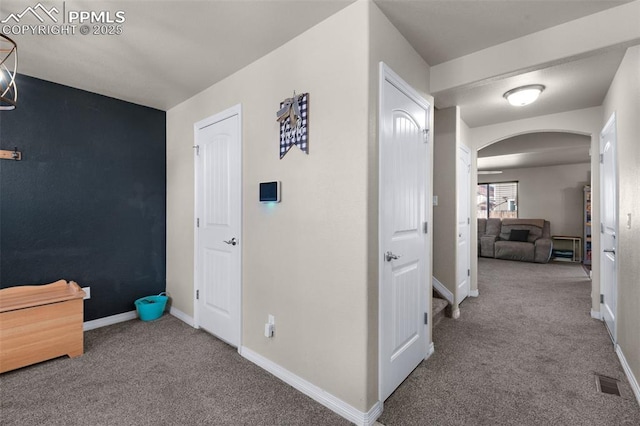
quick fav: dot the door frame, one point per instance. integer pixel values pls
(223, 115)
(387, 74)
(611, 122)
(467, 151)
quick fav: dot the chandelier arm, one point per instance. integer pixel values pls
(8, 86)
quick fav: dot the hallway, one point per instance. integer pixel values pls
(525, 352)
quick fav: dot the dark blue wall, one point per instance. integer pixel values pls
(87, 201)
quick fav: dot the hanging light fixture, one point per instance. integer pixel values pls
(8, 68)
(524, 95)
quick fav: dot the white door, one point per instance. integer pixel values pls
(608, 215)
(463, 256)
(218, 225)
(405, 175)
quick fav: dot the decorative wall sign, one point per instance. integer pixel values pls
(294, 123)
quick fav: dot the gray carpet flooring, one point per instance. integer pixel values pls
(525, 352)
(154, 373)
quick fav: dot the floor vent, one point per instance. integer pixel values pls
(607, 385)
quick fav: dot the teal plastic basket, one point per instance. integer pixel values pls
(151, 307)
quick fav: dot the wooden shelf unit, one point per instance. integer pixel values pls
(576, 247)
(586, 238)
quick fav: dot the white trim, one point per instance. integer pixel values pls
(430, 351)
(611, 123)
(474, 293)
(319, 395)
(113, 319)
(182, 316)
(444, 292)
(223, 115)
(627, 370)
(596, 315)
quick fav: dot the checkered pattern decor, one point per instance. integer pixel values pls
(298, 135)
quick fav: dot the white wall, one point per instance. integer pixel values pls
(304, 261)
(553, 193)
(623, 98)
(466, 139)
(444, 186)
(312, 260)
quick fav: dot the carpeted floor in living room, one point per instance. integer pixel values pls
(525, 352)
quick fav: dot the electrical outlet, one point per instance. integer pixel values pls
(87, 293)
(268, 330)
(270, 326)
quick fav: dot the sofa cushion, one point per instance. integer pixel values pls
(514, 250)
(493, 226)
(521, 235)
(530, 222)
(535, 232)
(482, 227)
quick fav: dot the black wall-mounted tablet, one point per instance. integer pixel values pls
(270, 192)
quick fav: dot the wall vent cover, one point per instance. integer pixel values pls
(607, 385)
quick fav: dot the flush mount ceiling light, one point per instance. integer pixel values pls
(521, 96)
(8, 68)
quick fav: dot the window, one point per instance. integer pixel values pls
(498, 200)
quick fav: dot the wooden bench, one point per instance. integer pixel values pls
(40, 322)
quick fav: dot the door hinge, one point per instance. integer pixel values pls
(601, 228)
(425, 135)
(602, 298)
(426, 318)
(197, 294)
(468, 272)
(198, 222)
(197, 148)
(601, 158)
(426, 227)
(468, 221)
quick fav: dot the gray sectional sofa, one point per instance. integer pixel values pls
(527, 240)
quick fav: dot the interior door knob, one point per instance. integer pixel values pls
(232, 241)
(390, 256)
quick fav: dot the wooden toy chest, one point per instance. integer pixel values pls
(40, 322)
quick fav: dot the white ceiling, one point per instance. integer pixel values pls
(582, 83)
(171, 50)
(535, 150)
(441, 30)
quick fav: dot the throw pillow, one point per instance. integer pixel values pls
(521, 235)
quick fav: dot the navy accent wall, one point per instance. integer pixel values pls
(87, 201)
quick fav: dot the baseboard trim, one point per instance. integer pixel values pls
(333, 403)
(113, 319)
(182, 316)
(627, 370)
(444, 292)
(431, 350)
(596, 315)
(474, 293)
